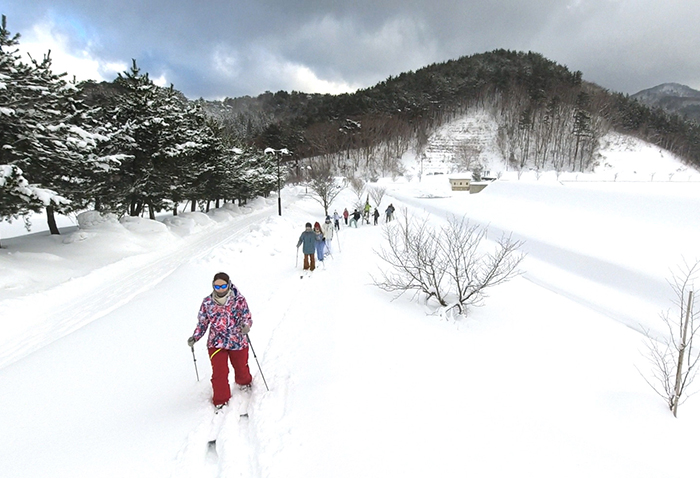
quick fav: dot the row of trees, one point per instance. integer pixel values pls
(557, 131)
(548, 117)
(126, 146)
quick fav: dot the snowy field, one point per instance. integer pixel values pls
(97, 379)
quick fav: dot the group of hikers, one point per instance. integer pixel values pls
(317, 242)
(366, 213)
(225, 311)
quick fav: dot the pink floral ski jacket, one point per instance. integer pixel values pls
(224, 321)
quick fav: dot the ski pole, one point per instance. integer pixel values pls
(195, 363)
(256, 359)
(296, 262)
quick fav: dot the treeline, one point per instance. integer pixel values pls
(548, 117)
(126, 146)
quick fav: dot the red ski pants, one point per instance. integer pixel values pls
(219, 371)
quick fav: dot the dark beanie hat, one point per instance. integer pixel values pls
(308, 224)
(221, 276)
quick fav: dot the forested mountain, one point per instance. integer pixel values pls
(548, 117)
(129, 146)
(672, 98)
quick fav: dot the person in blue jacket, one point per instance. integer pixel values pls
(308, 239)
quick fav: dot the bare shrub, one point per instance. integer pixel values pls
(377, 194)
(674, 362)
(324, 185)
(471, 272)
(447, 264)
(357, 186)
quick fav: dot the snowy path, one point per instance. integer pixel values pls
(42, 318)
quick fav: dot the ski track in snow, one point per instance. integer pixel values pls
(70, 306)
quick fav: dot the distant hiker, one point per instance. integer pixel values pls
(336, 220)
(390, 212)
(225, 312)
(355, 217)
(328, 232)
(320, 241)
(376, 215)
(365, 214)
(345, 215)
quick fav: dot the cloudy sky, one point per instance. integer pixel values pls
(219, 48)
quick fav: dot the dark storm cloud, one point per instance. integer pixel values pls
(232, 48)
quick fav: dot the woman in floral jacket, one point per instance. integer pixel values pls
(225, 312)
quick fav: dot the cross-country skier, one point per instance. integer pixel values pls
(328, 230)
(355, 217)
(336, 220)
(308, 238)
(390, 212)
(320, 242)
(225, 312)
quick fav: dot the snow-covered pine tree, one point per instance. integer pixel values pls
(199, 149)
(156, 166)
(255, 174)
(18, 197)
(39, 125)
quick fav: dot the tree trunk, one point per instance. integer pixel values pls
(51, 219)
(193, 207)
(681, 356)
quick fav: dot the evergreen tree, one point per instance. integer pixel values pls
(155, 128)
(40, 127)
(18, 197)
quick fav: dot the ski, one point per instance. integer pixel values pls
(216, 424)
(241, 400)
(244, 403)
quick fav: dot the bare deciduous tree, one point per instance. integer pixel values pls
(357, 186)
(674, 362)
(470, 271)
(377, 194)
(447, 263)
(324, 185)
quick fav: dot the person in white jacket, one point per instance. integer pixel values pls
(328, 231)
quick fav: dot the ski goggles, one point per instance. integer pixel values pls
(220, 287)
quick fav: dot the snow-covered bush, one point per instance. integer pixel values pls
(93, 219)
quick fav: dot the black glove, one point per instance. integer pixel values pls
(190, 342)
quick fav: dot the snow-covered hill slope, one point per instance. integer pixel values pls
(473, 137)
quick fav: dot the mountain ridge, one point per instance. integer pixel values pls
(673, 98)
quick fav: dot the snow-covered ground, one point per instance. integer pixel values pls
(97, 379)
